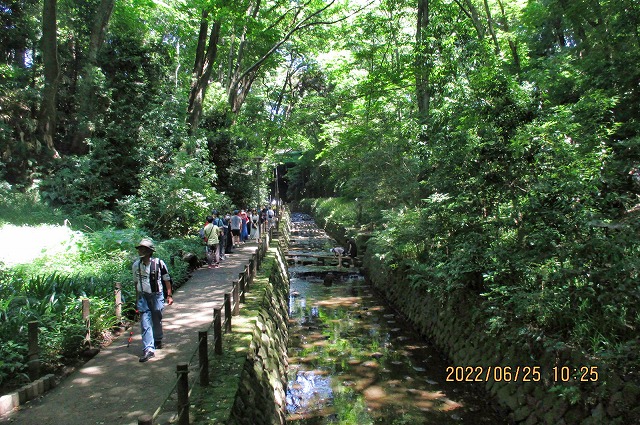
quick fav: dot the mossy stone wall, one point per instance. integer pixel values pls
(457, 328)
(261, 395)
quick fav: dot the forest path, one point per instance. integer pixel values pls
(114, 387)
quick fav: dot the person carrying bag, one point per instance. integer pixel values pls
(212, 239)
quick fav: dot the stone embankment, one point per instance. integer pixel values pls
(579, 390)
(261, 396)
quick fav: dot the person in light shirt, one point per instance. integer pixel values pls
(153, 284)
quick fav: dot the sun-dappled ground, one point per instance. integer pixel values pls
(23, 244)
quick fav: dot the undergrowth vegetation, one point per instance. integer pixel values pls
(567, 278)
(50, 288)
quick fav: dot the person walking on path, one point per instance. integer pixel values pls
(236, 225)
(228, 244)
(244, 233)
(219, 221)
(255, 226)
(112, 388)
(153, 282)
(212, 239)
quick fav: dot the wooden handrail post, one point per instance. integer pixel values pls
(227, 312)
(34, 352)
(217, 330)
(247, 275)
(236, 296)
(86, 318)
(182, 390)
(254, 260)
(118, 295)
(242, 289)
(203, 356)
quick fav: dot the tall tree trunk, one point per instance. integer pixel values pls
(422, 67)
(202, 70)
(512, 44)
(472, 13)
(239, 86)
(47, 113)
(87, 91)
(492, 30)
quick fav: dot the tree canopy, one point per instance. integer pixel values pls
(495, 144)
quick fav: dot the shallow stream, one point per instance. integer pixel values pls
(353, 360)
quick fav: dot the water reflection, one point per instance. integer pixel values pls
(352, 360)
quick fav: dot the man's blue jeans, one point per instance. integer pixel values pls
(150, 307)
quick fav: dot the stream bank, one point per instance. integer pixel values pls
(353, 359)
(555, 394)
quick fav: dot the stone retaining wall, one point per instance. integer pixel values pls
(261, 396)
(457, 328)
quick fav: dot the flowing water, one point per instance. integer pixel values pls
(353, 360)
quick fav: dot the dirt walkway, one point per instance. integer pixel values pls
(113, 387)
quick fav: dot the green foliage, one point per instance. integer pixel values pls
(22, 208)
(12, 361)
(50, 290)
(337, 210)
(173, 204)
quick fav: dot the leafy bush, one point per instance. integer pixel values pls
(12, 362)
(338, 210)
(175, 196)
(50, 290)
(20, 208)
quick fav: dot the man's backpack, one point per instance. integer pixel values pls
(158, 267)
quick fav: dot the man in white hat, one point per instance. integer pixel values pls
(153, 285)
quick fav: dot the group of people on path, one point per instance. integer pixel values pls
(153, 283)
(222, 234)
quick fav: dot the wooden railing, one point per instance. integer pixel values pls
(231, 305)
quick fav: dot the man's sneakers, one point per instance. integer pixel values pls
(147, 355)
(158, 344)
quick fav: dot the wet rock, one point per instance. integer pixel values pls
(190, 258)
(329, 279)
(89, 353)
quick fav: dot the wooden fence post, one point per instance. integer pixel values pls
(86, 318)
(217, 329)
(118, 294)
(254, 266)
(34, 352)
(183, 393)
(203, 356)
(236, 296)
(243, 288)
(227, 312)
